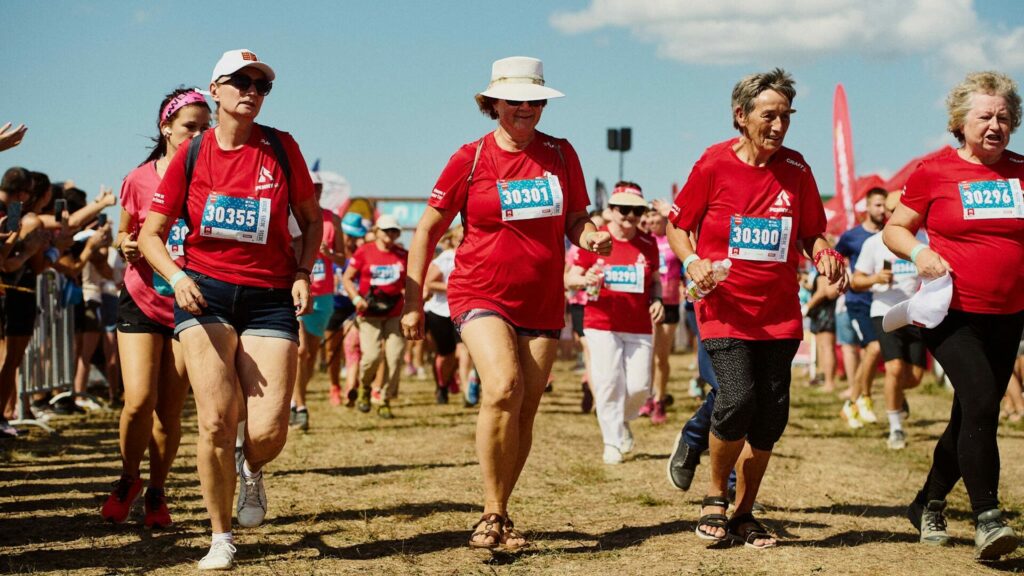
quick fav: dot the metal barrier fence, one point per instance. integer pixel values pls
(49, 362)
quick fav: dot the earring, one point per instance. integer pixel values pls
(167, 133)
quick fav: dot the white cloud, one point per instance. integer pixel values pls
(948, 32)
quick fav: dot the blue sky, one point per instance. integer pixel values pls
(382, 91)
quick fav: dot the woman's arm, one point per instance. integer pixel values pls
(90, 210)
(308, 215)
(152, 239)
(583, 233)
(429, 230)
(829, 263)
(434, 282)
(899, 235)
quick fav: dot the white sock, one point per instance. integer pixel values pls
(240, 435)
(222, 537)
(247, 471)
(895, 421)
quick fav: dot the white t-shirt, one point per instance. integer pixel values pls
(905, 280)
(438, 302)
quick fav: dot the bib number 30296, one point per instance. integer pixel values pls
(234, 218)
(762, 239)
(528, 199)
(991, 199)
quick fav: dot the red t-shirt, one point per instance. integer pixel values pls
(740, 212)
(511, 259)
(136, 193)
(987, 255)
(321, 280)
(630, 271)
(237, 209)
(384, 271)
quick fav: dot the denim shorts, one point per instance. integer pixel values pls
(251, 311)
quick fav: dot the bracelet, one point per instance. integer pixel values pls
(305, 271)
(357, 299)
(831, 252)
(176, 277)
(689, 260)
(916, 251)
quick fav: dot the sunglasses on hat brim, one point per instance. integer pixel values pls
(627, 210)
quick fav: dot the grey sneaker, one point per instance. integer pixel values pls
(252, 499)
(220, 557)
(682, 465)
(897, 440)
(992, 537)
(929, 521)
(301, 419)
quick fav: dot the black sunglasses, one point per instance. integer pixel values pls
(530, 103)
(627, 210)
(243, 83)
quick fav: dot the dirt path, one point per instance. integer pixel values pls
(357, 495)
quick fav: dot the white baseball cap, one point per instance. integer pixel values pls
(926, 309)
(234, 60)
(388, 222)
(519, 78)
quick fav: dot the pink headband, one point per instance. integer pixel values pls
(179, 102)
(627, 190)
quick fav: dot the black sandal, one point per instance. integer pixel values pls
(756, 532)
(712, 520)
(493, 527)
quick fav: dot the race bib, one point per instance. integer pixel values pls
(762, 239)
(624, 278)
(903, 269)
(528, 199)
(991, 199)
(176, 239)
(235, 218)
(383, 275)
(319, 273)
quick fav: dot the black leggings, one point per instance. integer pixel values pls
(753, 389)
(977, 351)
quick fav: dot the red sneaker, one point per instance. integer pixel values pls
(648, 407)
(335, 396)
(157, 515)
(658, 413)
(119, 503)
(453, 384)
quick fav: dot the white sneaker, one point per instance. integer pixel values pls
(897, 440)
(88, 404)
(220, 557)
(696, 390)
(612, 455)
(627, 443)
(252, 499)
(866, 410)
(849, 413)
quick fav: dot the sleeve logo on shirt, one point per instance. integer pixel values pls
(674, 212)
(266, 180)
(437, 195)
(797, 164)
(158, 198)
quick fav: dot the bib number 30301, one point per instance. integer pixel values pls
(528, 199)
(234, 218)
(991, 199)
(762, 239)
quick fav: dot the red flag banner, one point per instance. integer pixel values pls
(842, 147)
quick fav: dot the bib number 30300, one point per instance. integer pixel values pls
(991, 199)
(528, 199)
(234, 218)
(762, 239)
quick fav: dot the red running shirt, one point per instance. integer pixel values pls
(136, 193)
(759, 300)
(321, 279)
(987, 255)
(511, 266)
(630, 271)
(237, 193)
(384, 271)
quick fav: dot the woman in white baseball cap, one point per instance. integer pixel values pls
(520, 193)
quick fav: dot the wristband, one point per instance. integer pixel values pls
(357, 299)
(176, 277)
(829, 251)
(305, 271)
(689, 260)
(916, 251)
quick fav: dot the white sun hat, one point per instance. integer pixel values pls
(519, 78)
(927, 308)
(387, 222)
(627, 195)
(234, 60)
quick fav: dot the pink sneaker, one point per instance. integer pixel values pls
(658, 413)
(648, 407)
(335, 396)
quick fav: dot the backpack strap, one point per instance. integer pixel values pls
(192, 158)
(469, 179)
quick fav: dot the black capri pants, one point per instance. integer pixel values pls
(753, 389)
(977, 351)
(443, 331)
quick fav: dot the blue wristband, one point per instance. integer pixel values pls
(176, 277)
(917, 250)
(689, 260)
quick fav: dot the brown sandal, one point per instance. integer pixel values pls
(510, 533)
(493, 527)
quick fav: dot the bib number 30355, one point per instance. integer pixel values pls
(991, 199)
(762, 239)
(528, 199)
(234, 218)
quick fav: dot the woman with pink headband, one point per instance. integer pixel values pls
(152, 367)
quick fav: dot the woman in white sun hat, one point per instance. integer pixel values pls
(520, 193)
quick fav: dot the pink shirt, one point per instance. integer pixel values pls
(136, 194)
(669, 268)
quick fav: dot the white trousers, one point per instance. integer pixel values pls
(620, 372)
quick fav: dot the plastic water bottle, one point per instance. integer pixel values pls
(719, 271)
(594, 290)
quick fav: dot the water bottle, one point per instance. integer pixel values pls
(719, 271)
(594, 290)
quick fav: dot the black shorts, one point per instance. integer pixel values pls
(340, 314)
(576, 315)
(904, 344)
(671, 314)
(132, 320)
(823, 318)
(442, 329)
(87, 317)
(20, 308)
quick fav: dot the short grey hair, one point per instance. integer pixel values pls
(750, 87)
(958, 103)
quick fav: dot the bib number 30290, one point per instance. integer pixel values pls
(234, 218)
(762, 239)
(991, 199)
(528, 199)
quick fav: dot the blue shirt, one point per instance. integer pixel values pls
(849, 245)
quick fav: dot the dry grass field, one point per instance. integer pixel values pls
(357, 495)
